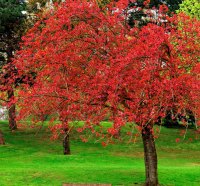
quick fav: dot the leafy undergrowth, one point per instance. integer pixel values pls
(30, 158)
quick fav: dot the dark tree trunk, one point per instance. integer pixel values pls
(12, 46)
(2, 142)
(65, 128)
(150, 157)
(11, 111)
(66, 142)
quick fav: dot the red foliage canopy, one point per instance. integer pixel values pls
(88, 63)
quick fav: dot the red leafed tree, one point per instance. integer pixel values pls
(89, 63)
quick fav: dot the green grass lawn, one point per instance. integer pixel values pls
(30, 159)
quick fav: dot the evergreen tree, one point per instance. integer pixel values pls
(12, 14)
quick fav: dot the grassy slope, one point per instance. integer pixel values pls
(34, 160)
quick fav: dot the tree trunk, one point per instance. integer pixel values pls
(65, 128)
(2, 142)
(12, 111)
(150, 157)
(66, 144)
(66, 141)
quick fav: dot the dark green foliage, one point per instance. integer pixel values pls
(140, 15)
(10, 14)
(11, 19)
(12, 27)
(172, 4)
(11, 30)
(178, 120)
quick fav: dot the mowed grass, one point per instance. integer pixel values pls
(30, 158)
